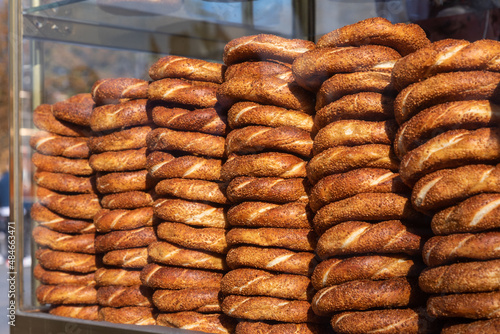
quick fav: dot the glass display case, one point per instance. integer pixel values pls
(60, 48)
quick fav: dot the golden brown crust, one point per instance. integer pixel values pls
(354, 237)
(440, 250)
(191, 213)
(342, 159)
(117, 276)
(261, 214)
(254, 282)
(195, 143)
(405, 38)
(128, 315)
(62, 182)
(127, 139)
(365, 206)
(114, 90)
(43, 118)
(211, 323)
(447, 55)
(352, 83)
(66, 294)
(140, 180)
(78, 243)
(484, 326)
(269, 189)
(76, 109)
(461, 277)
(166, 277)
(451, 149)
(274, 259)
(258, 69)
(475, 214)
(253, 139)
(428, 123)
(445, 87)
(243, 114)
(173, 255)
(209, 239)
(264, 47)
(58, 164)
(484, 305)
(365, 106)
(447, 187)
(188, 68)
(353, 133)
(267, 164)
(265, 90)
(209, 120)
(364, 295)
(114, 220)
(185, 92)
(195, 190)
(115, 240)
(52, 144)
(125, 114)
(268, 308)
(76, 311)
(260, 327)
(339, 186)
(203, 300)
(335, 271)
(381, 321)
(128, 200)
(127, 258)
(120, 296)
(55, 222)
(54, 277)
(314, 67)
(119, 161)
(294, 239)
(163, 165)
(80, 206)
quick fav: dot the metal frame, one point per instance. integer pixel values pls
(28, 320)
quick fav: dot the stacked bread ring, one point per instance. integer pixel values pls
(67, 203)
(449, 145)
(370, 238)
(185, 155)
(271, 240)
(124, 229)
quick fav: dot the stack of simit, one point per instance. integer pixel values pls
(186, 152)
(449, 143)
(67, 204)
(271, 240)
(125, 224)
(370, 238)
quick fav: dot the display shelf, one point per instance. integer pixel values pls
(165, 28)
(27, 322)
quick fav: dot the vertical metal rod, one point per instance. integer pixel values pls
(304, 19)
(15, 86)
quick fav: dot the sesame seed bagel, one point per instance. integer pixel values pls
(52, 144)
(461, 277)
(114, 90)
(405, 38)
(243, 114)
(355, 237)
(447, 55)
(475, 214)
(314, 67)
(188, 68)
(191, 213)
(264, 47)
